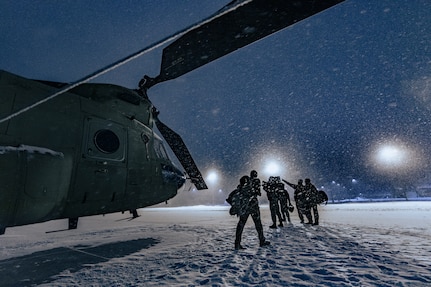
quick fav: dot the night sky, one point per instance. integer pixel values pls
(343, 97)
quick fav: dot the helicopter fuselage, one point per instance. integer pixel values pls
(89, 151)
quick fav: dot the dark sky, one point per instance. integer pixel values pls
(343, 95)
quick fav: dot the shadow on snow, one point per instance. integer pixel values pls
(40, 267)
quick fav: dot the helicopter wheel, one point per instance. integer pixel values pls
(73, 223)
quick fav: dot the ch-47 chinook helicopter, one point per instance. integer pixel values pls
(80, 149)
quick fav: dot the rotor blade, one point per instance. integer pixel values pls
(233, 30)
(182, 153)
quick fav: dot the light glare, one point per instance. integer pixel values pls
(394, 157)
(272, 168)
(212, 177)
(391, 156)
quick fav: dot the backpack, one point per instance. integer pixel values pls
(321, 197)
(234, 199)
(238, 202)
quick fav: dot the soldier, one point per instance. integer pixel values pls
(255, 182)
(249, 206)
(284, 198)
(271, 192)
(299, 197)
(311, 194)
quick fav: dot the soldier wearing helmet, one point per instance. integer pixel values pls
(271, 187)
(249, 189)
(311, 204)
(299, 197)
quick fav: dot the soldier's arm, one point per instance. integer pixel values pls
(288, 197)
(290, 184)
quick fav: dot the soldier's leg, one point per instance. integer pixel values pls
(239, 229)
(279, 215)
(285, 212)
(273, 215)
(301, 217)
(283, 217)
(259, 228)
(258, 224)
(307, 213)
(287, 215)
(316, 215)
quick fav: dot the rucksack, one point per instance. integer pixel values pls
(238, 201)
(234, 199)
(322, 197)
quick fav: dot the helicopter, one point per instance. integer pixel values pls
(69, 150)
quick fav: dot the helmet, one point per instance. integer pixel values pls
(253, 173)
(244, 180)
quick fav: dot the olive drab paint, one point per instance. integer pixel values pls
(89, 151)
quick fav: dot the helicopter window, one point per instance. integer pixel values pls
(160, 149)
(106, 141)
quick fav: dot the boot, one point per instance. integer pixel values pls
(264, 243)
(238, 246)
(273, 226)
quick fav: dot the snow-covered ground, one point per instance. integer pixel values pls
(357, 244)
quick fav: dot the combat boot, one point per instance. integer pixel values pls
(264, 243)
(239, 246)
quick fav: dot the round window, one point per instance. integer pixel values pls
(106, 141)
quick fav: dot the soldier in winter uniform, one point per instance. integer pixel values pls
(284, 198)
(255, 182)
(271, 192)
(311, 195)
(299, 197)
(249, 206)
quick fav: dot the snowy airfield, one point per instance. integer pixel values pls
(357, 244)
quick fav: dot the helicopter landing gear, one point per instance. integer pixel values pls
(73, 223)
(134, 213)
